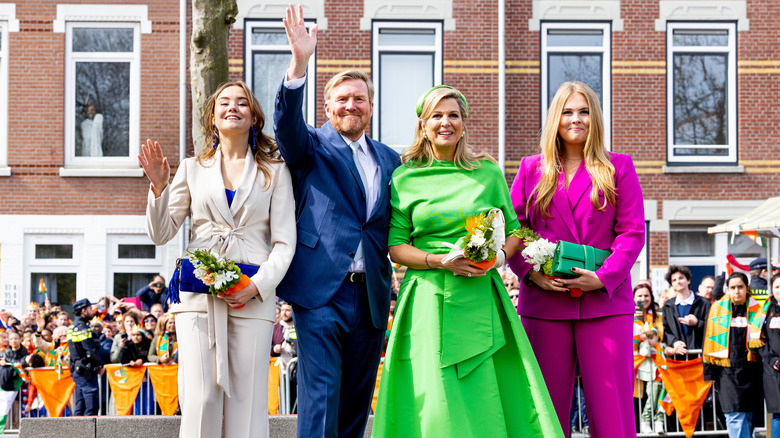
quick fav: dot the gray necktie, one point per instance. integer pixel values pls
(355, 146)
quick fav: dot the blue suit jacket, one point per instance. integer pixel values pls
(330, 211)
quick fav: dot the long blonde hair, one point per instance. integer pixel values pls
(265, 150)
(420, 153)
(597, 160)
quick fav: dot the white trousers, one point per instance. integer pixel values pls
(203, 403)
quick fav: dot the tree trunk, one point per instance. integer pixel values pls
(211, 20)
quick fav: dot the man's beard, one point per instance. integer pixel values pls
(348, 127)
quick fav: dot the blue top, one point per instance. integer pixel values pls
(230, 195)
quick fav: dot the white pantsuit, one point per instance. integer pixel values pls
(223, 352)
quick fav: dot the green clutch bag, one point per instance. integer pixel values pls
(571, 255)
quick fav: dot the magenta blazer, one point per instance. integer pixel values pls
(620, 229)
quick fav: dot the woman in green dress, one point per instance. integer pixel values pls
(458, 363)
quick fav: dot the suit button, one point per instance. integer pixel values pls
(352, 254)
(590, 220)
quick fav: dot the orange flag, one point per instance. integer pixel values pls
(165, 381)
(684, 381)
(125, 382)
(273, 386)
(54, 391)
(376, 385)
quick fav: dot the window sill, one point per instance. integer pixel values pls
(704, 169)
(102, 173)
(5, 171)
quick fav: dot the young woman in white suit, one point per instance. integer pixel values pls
(239, 195)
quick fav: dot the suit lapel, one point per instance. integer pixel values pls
(245, 185)
(345, 152)
(560, 202)
(216, 188)
(579, 185)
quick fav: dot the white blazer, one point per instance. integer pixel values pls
(258, 228)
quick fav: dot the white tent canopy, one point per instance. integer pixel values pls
(765, 217)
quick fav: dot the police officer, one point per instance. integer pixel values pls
(85, 363)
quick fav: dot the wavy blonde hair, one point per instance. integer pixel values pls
(597, 160)
(264, 146)
(420, 153)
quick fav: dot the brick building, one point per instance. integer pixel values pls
(684, 85)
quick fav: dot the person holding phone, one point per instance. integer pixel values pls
(154, 293)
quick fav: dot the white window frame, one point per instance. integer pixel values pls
(4, 169)
(130, 266)
(53, 266)
(731, 51)
(134, 58)
(311, 76)
(606, 66)
(8, 23)
(436, 50)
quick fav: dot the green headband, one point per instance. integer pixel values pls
(422, 99)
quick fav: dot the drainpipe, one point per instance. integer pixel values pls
(502, 85)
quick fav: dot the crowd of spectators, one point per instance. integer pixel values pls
(126, 335)
(675, 324)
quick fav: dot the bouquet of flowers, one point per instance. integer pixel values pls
(222, 276)
(484, 238)
(539, 252)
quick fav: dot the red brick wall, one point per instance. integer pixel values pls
(470, 55)
(36, 78)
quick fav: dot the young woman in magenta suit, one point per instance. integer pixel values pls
(577, 191)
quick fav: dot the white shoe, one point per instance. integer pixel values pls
(659, 427)
(646, 427)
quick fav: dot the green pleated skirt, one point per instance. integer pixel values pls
(499, 392)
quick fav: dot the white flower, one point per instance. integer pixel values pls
(538, 253)
(199, 272)
(477, 239)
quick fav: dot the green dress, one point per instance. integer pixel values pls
(458, 363)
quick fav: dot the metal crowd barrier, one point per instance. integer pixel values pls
(286, 385)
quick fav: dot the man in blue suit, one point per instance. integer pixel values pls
(339, 280)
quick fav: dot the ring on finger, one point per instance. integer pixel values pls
(469, 274)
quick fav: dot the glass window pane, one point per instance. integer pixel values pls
(269, 69)
(111, 39)
(575, 37)
(60, 288)
(583, 68)
(691, 241)
(407, 37)
(136, 251)
(404, 78)
(102, 109)
(700, 99)
(127, 284)
(53, 251)
(699, 37)
(269, 37)
(744, 246)
(1, 40)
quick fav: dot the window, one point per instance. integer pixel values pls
(701, 86)
(53, 262)
(134, 262)
(406, 61)
(577, 52)
(8, 23)
(102, 94)
(267, 55)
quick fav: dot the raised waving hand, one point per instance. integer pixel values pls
(155, 166)
(302, 43)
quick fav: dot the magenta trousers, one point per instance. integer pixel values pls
(603, 347)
